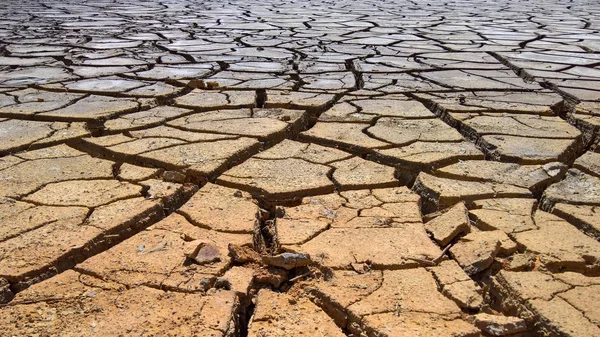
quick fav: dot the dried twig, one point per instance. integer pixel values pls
(433, 262)
(300, 276)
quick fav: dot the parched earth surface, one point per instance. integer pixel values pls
(299, 168)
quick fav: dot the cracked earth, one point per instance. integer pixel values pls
(315, 168)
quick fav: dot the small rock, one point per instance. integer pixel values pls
(202, 253)
(288, 260)
(243, 254)
(499, 325)
(222, 283)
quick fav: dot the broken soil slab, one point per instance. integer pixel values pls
(577, 188)
(560, 245)
(457, 285)
(158, 257)
(510, 215)
(278, 313)
(428, 155)
(279, 179)
(298, 100)
(496, 325)
(443, 192)
(61, 244)
(201, 100)
(526, 150)
(144, 119)
(397, 307)
(93, 108)
(77, 210)
(447, 226)
(222, 209)
(73, 303)
(476, 251)
(539, 299)
(202, 155)
(586, 218)
(377, 208)
(533, 177)
(384, 248)
(589, 163)
(18, 135)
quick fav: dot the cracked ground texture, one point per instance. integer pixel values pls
(300, 168)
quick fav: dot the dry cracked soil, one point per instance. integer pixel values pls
(300, 168)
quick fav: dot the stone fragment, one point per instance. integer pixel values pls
(287, 260)
(499, 325)
(202, 252)
(447, 226)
